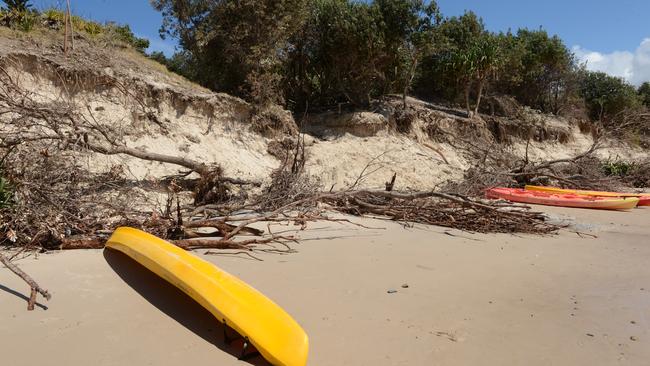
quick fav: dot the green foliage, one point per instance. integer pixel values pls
(87, 26)
(239, 46)
(474, 65)
(6, 192)
(540, 72)
(19, 20)
(337, 57)
(181, 63)
(351, 52)
(159, 57)
(124, 34)
(617, 168)
(323, 53)
(18, 15)
(466, 61)
(461, 32)
(55, 19)
(606, 95)
(644, 93)
(20, 6)
(444, 73)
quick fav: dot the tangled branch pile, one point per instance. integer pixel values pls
(503, 169)
(441, 209)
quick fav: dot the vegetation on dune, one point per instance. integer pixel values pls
(617, 168)
(18, 5)
(606, 96)
(644, 93)
(239, 46)
(318, 54)
(21, 16)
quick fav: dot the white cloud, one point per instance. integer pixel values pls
(632, 66)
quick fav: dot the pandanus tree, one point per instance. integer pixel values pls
(474, 66)
(18, 5)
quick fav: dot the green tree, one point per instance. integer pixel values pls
(644, 93)
(474, 66)
(126, 35)
(607, 95)
(239, 46)
(442, 71)
(18, 5)
(410, 32)
(351, 52)
(338, 55)
(543, 75)
(181, 63)
(466, 59)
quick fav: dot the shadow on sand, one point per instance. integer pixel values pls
(175, 303)
(18, 294)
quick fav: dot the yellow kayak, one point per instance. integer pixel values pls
(262, 323)
(644, 198)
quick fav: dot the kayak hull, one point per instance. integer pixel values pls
(644, 198)
(273, 332)
(562, 200)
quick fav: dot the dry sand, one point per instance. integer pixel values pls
(471, 300)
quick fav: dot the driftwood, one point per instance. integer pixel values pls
(497, 168)
(34, 287)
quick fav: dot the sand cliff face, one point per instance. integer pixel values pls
(154, 110)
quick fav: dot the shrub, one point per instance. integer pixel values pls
(644, 93)
(607, 95)
(53, 17)
(18, 5)
(617, 168)
(92, 28)
(124, 34)
(87, 26)
(19, 20)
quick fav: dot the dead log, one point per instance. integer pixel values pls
(223, 227)
(201, 168)
(91, 243)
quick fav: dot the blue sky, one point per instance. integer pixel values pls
(611, 36)
(138, 14)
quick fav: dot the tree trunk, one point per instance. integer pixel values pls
(467, 104)
(481, 86)
(409, 80)
(601, 113)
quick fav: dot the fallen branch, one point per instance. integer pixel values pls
(34, 287)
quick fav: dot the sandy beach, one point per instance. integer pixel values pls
(390, 296)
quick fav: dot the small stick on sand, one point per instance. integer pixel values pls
(35, 288)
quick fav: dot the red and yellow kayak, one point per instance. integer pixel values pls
(562, 199)
(644, 198)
